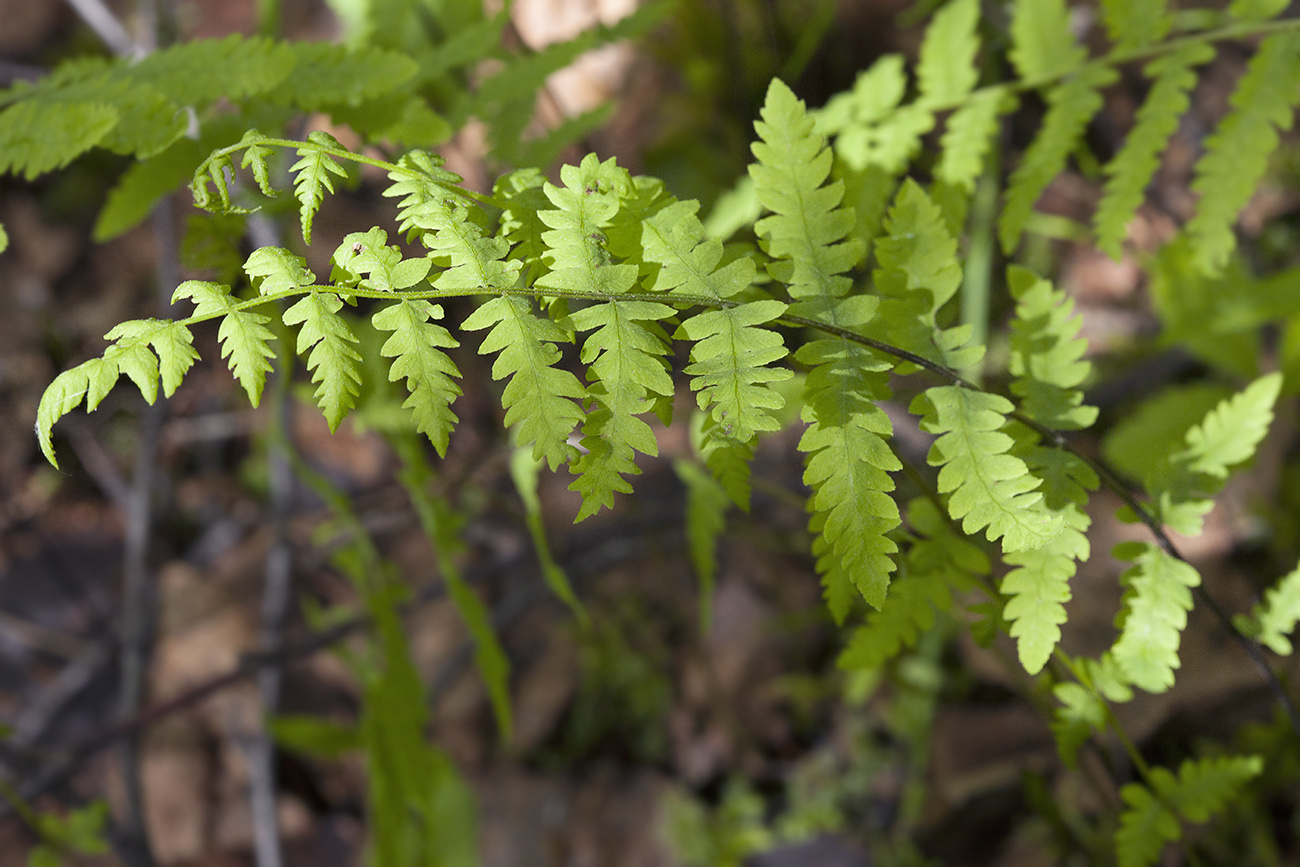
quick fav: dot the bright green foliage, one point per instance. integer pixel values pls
(1257, 10)
(732, 355)
(1237, 153)
(991, 489)
(967, 135)
(946, 72)
(523, 199)
(280, 270)
(1127, 175)
(1139, 445)
(171, 340)
(1047, 354)
(37, 139)
(1042, 43)
(335, 76)
(244, 337)
(206, 70)
(4, 239)
(313, 177)
(1083, 712)
(425, 186)
(938, 563)
(1272, 621)
(1135, 23)
(1070, 105)
(1157, 597)
(1233, 430)
(334, 363)
(80, 832)
(539, 397)
(624, 355)
(807, 228)
(871, 128)
(416, 349)
(1151, 815)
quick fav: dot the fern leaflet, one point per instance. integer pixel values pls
(706, 518)
(1128, 174)
(1272, 621)
(1156, 602)
(1237, 153)
(990, 489)
(1134, 24)
(38, 138)
(967, 134)
(244, 337)
(539, 396)
(416, 349)
(1202, 788)
(334, 363)
(1070, 105)
(732, 354)
(946, 71)
(1042, 44)
(1233, 430)
(313, 180)
(938, 563)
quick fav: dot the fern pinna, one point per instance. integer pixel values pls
(846, 285)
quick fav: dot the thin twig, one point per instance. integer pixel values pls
(110, 31)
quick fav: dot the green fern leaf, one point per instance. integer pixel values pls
(1236, 154)
(1043, 46)
(1039, 586)
(172, 342)
(205, 70)
(1272, 621)
(1128, 174)
(61, 397)
(732, 355)
(334, 362)
(946, 71)
(426, 188)
(36, 138)
(967, 135)
(848, 469)
(416, 349)
(143, 184)
(1134, 24)
(728, 461)
(1233, 430)
(1202, 788)
(244, 337)
(539, 397)
(871, 128)
(990, 489)
(1070, 106)
(365, 259)
(807, 226)
(1047, 354)
(523, 198)
(280, 270)
(1156, 602)
(937, 563)
(1080, 714)
(326, 74)
(525, 469)
(312, 179)
(1257, 10)
(576, 242)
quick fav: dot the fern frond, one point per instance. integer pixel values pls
(1236, 154)
(870, 126)
(205, 70)
(312, 179)
(967, 135)
(1047, 354)
(279, 270)
(1070, 106)
(326, 74)
(732, 355)
(523, 198)
(728, 461)
(1233, 430)
(416, 349)
(244, 337)
(334, 363)
(1202, 788)
(368, 261)
(1272, 621)
(525, 469)
(1128, 174)
(171, 340)
(625, 357)
(938, 563)
(38, 138)
(990, 489)
(428, 190)
(1133, 24)
(946, 72)
(539, 397)
(807, 227)
(1043, 46)
(1156, 602)
(64, 394)
(1257, 10)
